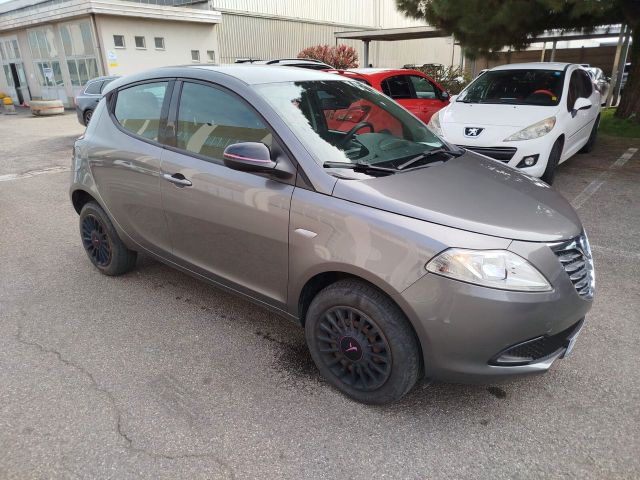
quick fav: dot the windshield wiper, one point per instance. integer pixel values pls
(428, 154)
(359, 167)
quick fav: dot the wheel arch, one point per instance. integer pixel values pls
(79, 198)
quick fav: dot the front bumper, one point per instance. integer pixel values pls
(463, 328)
(510, 153)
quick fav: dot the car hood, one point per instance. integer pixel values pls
(472, 193)
(480, 115)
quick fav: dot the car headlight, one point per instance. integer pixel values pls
(536, 130)
(434, 123)
(489, 268)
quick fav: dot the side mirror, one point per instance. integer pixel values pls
(452, 98)
(444, 96)
(248, 157)
(582, 104)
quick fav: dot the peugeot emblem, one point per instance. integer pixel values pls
(472, 131)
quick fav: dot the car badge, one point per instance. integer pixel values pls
(472, 132)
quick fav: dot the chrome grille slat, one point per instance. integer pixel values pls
(575, 257)
(577, 276)
(574, 267)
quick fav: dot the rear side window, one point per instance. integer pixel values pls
(93, 88)
(397, 87)
(138, 109)
(423, 87)
(210, 119)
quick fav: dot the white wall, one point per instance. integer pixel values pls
(179, 39)
(266, 38)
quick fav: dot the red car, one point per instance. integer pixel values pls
(414, 90)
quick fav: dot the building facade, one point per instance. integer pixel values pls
(50, 48)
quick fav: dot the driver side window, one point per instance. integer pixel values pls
(573, 90)
(210, 119)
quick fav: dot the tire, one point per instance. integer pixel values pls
(592, 137)
(549, 174)
(86, 116)
(101, 242)
(362, 343)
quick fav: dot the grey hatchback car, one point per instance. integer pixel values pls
(325, 201)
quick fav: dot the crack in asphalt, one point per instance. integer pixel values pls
(118, 414)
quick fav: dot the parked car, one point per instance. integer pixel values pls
(414, 90)
(399, 254)
(625, 75)
(531, 116)
(291, 62)
(601, 81)
(88, 99)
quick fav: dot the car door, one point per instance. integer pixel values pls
(427, 97)
(125, 161)
(578, 122)
(227, 225)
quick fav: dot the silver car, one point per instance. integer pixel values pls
(325, 201)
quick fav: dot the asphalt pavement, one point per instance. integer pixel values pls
(156, 375)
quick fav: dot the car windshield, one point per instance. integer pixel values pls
(515, 87)
(346, 124)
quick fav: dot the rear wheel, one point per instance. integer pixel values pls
(87, 116)
(592, 137)
(362, 343)
(101, 242)
(554, 157)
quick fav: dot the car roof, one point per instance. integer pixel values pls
(250, 74)
(105, 77)
(376, 71)
(534, 66)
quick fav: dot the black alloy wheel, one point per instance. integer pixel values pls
(101, 242)
(95, 241)
(354, 348)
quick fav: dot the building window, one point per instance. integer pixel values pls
(118, 41)
(211, 56)
(79, 48)
(159, 41)
(195, 55)
(140, 42)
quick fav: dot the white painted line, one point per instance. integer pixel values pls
(587, 193)
(17, 176)
(624, 158)
(594, 186)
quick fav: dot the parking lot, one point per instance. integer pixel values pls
(157, 375)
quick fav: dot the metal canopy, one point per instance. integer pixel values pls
(559, 35)
(392, 34)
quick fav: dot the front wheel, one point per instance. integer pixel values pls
(549, 174)
(101, 242)
(362, 342)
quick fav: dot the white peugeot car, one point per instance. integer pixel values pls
(531, 116)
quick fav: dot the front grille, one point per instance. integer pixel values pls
(536, 349)
(575, 257)
(504, 154)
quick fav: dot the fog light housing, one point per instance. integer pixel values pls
(528, 161)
